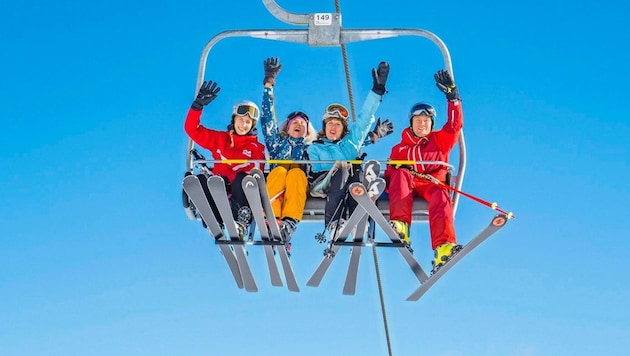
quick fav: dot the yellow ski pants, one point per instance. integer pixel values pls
(293, 183)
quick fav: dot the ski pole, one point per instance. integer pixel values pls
(493, 206)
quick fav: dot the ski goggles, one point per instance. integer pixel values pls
(244, 109)
(297, 114)
(337, 109)
(422, 109)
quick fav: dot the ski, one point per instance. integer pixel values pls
(333, 248)
(371, 171)
(358, 192)
(250, 187)
(216, 185)
(289, 276)
(350, 285)
(192, 187)
(498, 221)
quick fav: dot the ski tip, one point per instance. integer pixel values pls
(357, 189)
(499, 220)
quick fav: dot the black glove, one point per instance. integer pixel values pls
(445, 83)
(272, 68)
(380, 78)
(208, 92)
(381, 129)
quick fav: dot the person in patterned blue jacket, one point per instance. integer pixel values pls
(286, 183)
(340, 140)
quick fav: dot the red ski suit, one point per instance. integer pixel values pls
(225, 145)
(402, 186)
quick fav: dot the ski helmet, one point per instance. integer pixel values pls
(423, 109)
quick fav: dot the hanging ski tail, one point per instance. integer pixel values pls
(192, 186)
(375, 188)
(216, 185)
(359, 193)
(250, 187)
(497, 222)
(345, 231)
(371, 172)
(283, 254)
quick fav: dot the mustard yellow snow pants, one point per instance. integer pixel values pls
(288, 187)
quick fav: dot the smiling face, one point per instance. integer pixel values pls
(297, 127)
(334, 129)
(243, 124)
(421, 125)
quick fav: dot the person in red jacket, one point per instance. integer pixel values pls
(421, 143)
(239, 141)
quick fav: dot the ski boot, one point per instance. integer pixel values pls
(287, 228)
(402, 229)
(243, 219)
(335, 228)
(442, 254)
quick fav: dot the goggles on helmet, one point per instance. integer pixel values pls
(422, 109)
(295, 114)
(337, 110)
(245, 109)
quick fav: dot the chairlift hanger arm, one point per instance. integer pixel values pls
(326, 34)
(284, 15)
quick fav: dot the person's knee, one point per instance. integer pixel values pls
(296, 173)
(278, 171)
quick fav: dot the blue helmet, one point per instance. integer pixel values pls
(423, 109)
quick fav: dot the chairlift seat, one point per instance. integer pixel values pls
(315, 207)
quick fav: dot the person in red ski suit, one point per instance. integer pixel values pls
(421, 143)
(239, 141)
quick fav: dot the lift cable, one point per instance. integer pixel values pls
(346, 66)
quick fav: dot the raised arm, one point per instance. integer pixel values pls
(449, 133)
(197, 132)
(269, 123)
(365, 118)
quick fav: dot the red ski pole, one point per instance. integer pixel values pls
(493, 206)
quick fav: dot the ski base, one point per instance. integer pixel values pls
(357, 191)
(216, 185)
(268, 219)
(192, 187)
(498, 221)
(350, 227)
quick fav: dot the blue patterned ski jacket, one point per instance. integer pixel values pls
(280, 146)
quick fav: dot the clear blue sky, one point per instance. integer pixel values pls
(98, 257)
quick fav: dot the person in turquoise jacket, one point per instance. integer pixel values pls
(341, 140)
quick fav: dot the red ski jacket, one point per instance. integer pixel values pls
(433, 147)
(225, 145)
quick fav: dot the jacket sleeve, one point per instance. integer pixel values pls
(269, 124)
(260, 155)
(313, 152)
(203, 136)
(393, 156)
(448, 135)
(359, 129)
